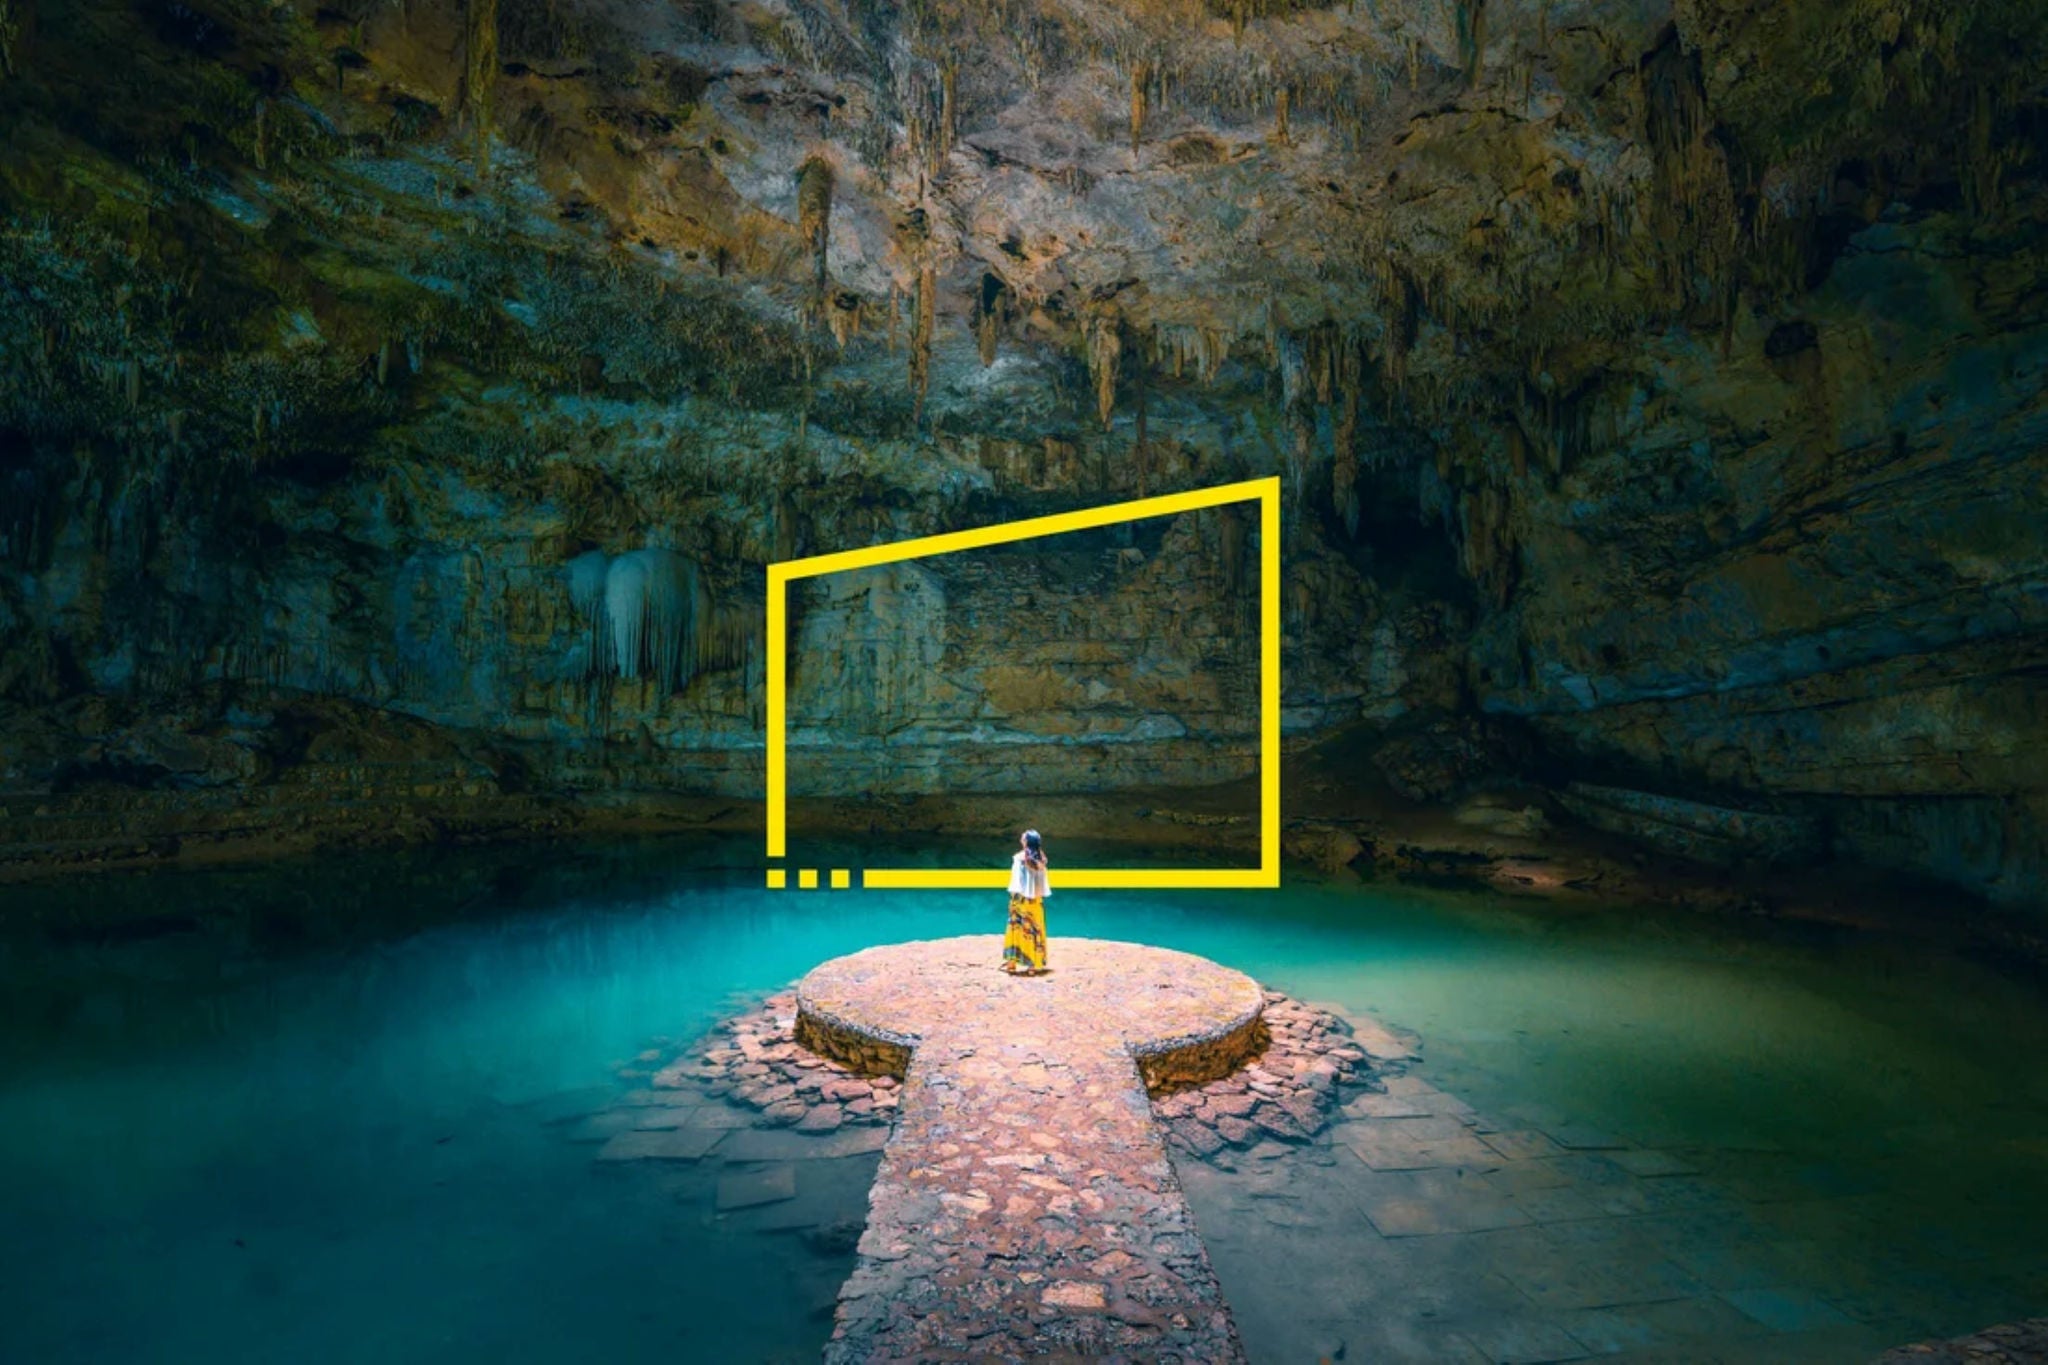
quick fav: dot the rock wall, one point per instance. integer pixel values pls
(1116, 659)
(1661, 380)
(1811, 575)
(1035, 668)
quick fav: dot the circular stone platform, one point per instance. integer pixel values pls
(1025, 1207)
(1183, 1018)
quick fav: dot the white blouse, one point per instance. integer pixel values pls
(1026, 880)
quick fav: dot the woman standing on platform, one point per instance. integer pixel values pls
(1024, 944)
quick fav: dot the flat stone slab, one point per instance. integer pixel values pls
(671, 1144)
(745, 1190)
(781, 1144)
(1025, 1206)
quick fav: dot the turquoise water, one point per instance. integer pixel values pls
(298, 1113)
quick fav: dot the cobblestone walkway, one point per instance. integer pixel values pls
(1025, 1207)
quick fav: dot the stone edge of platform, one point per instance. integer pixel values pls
(1186, 1059)
(1207, 1054)
(871, 1052)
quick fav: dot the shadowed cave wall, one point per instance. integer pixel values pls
(1657, 389)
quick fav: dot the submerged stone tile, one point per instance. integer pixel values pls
(565, 1106)
(1385, 1150)
(1557, 1204)
(1523, 1341)
(681, 1144)
(1786, 1308)
(603, 1127)
(768, 1144)
(1523, 1144)
(1643, 1162)
(1604, 1282)
(1407, 1216)
(748, 1188)
(661, 1116)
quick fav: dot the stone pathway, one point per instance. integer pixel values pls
(1025, 1207)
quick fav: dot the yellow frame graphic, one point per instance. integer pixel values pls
(1266, 492)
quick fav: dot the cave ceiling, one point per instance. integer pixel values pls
(1455, 201)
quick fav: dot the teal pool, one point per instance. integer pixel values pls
(301, 1113)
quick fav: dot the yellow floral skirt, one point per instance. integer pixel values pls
(1024, 943)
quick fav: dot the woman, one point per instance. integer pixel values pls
(1024, 944)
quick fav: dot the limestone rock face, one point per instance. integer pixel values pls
(1842, 615)
(1662, 379)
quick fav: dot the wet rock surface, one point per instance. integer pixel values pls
(1313, 1062)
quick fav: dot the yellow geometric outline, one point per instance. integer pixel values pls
(1266, 492)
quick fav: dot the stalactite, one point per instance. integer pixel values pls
(949, 117)
(1184, 346)
(1291, 360)
(1404, 323)
(1319, 358)
(1472, 37)
(625, 609)
(480, 72)
(844, 318)
(1344, 437)
(1281, 101)
(1488, 550)
(1141, 453)
(1141, 74)
(924, 310)
(991, 311)
(1231, 535)
(1301, 430)
(586, 575)
(931, 114)
(1984, 165)
(1692, 219)
(646, 610)
(814, 217)
(671, 615)
(1105, 349)
(785, 517)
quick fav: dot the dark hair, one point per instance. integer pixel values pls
(1034, 846)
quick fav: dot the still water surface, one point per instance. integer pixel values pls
(297, 1113)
